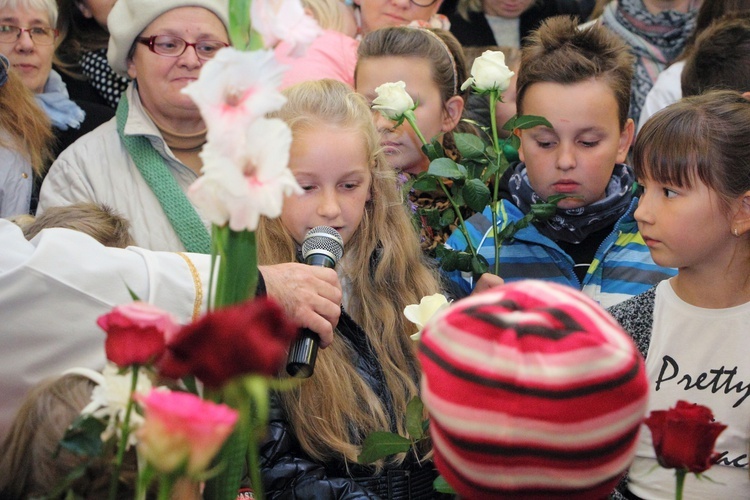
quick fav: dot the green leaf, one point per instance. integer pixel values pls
(431, 216)
(449, 261)
(530, 121)
(83, 437)
(476, 194)
(479, 265)
(469, 145)
(447, 218)
(442, 486)
(382, 444)
(415, 418)
(445, 167)
(433, 150)
(464, 261)
(425, 183)
(543, 211)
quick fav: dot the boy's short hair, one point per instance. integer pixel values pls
(100, 222)
(562, 52)
(720, 59)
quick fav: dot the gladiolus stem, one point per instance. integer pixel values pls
(165, 487)
(124, 434)
(680, 477)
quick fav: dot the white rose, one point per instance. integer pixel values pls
(393, 100)
(489, 72)
(420, 314)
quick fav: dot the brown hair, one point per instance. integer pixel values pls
(705, 138)
(385, 271)
(561, 52)
(98, 221)
(28, 467)
(720, 58)
(23, 122)
(449, 69)
(709, 12)
(78, 34)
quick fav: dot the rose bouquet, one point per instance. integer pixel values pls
(176, 433)
(473, 182)
(236, 349)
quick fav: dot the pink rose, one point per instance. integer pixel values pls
(251, 337)
(136, 333)
(181, 432)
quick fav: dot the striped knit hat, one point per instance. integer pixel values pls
(533, 391)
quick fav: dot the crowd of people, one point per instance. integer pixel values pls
(638, 281)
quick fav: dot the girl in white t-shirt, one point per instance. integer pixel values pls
(693, 161)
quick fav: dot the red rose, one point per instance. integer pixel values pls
(252, 337)
(684, 437)
(136, 333)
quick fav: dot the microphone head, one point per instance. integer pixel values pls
(323, 240)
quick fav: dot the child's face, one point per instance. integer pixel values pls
(665, 214)
(401, 144)
(377, 14)
(331, 165)
(577, 156)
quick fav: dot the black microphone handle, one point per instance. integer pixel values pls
(301, 359)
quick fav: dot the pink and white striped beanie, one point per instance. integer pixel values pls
(533, 391)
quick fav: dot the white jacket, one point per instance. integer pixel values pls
(54, 287)
(98, 168)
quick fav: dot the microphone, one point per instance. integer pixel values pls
(323, 247)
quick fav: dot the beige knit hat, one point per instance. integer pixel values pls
(128, 18)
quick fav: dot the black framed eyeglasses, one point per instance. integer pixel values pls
(174, 46)
(38, 34)
(423, 3)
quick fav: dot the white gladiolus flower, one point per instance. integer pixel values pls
(489, 72)
(393, 101)
(420, 314)
(234, 89)
(239, 186)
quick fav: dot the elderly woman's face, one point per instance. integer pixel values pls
(383, 13)
(161, 78)
(31, 59)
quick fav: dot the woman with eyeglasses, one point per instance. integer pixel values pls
(27, 39)
(478, 23)
(142, 162)
(375, 14)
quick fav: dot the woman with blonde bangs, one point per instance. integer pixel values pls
(25, 140)
(365, 379)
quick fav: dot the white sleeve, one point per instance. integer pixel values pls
(53, 288)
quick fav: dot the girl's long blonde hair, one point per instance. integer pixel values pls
(24, 126)
(384, 270)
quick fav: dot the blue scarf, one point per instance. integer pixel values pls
(54, 100)
(573, 225)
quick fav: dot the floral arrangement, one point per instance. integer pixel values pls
(211, 437)
(177, 433)
(684, 438)
(474, 182)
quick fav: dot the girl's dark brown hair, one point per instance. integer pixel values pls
(702, 138)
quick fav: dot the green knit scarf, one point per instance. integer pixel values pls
(178, 209)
